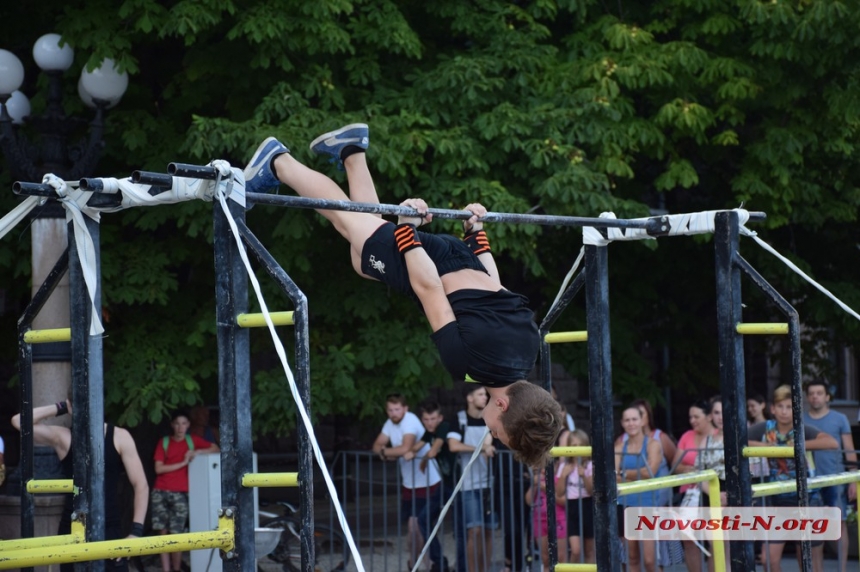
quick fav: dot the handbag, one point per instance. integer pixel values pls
(692, 497)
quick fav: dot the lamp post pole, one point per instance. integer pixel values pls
(100, 89)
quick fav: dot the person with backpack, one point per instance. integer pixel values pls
(169, 498)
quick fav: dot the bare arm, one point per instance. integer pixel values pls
(380, 448)
(55, 436)
(379, 444)
(423, 275)
(652, 463)
(161, 468)
(561, 484)
(457, 446)
(434, 448)
(821, 441)
(134, 469)
(472, 225)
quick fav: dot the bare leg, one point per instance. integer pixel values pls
(355, 227)
(165, 557)
(176, 559)
(361, 187)
(692, 556)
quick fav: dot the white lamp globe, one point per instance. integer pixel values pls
(50, 56)
(88, 99)
(85, 97)
(105, 82)
(11, 72)
(18, 107)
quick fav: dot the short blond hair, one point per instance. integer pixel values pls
(780, 393)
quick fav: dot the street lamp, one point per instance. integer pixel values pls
(99, 89)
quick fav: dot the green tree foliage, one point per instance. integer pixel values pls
(564, 107)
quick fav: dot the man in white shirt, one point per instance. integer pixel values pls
(421, 491)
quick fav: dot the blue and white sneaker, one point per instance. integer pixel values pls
(333, 142)
(259, 177)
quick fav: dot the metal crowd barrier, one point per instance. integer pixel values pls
(766, 489)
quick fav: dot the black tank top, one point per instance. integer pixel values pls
(113, 467)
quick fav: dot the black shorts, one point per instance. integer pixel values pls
(380, 258)
(791, 500)
(494, 341)
(574, 521)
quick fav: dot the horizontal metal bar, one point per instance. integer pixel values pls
(33, 189)
(97, 185)
(193, 171)
(45, 336)
(770, 452)
(566, 337)
(260, 480)
(222, 538)
(762, 329)
(652, 225)
(151, 178)
(568, 567)
(666, 482)
(39, 542)
(570, 452)
(50, 486)
(790, 486)
(259, 321)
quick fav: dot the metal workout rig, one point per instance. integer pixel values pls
(235, 536)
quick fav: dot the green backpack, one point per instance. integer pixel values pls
(188, 440)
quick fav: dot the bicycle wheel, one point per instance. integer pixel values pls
(330, 547)
(332, 551)
(288, 552)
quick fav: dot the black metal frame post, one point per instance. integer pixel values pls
(546, 379)
(234, 386)
(801, 472)
(732, 380)
(600, 387)
(87, 394)
(303, 383)
(25, 373)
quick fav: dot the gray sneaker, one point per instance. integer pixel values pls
(333, 142)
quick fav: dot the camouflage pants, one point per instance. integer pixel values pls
(169, 510)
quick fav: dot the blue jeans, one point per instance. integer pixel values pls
(469, 512)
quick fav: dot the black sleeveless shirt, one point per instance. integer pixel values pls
(113, 468)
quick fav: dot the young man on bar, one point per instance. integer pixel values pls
(484, 333)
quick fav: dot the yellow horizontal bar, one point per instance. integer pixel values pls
(45, 336)
(669, 481)
(50, 486)
(770, 452)
(222, 538)
(39, 542)
(564, 337)
(790, 486)
(259, 321)
(270, 480)
(568, 567)
(775, 328)
(570, 452)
